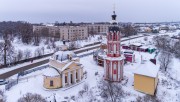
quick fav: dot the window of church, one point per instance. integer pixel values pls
(51, 83)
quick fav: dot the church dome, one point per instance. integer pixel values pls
(63, 55)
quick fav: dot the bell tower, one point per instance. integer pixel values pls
(114, 62)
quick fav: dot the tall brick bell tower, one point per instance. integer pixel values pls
(114, 62)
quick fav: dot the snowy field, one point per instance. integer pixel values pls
(168, 88)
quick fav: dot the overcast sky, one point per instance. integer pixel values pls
(89, 10)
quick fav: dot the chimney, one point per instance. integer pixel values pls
(153, 61)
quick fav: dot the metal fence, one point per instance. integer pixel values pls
(14, 82)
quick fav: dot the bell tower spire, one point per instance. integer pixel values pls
(114, 22)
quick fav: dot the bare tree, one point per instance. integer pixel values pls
(19, 55)
(36, 38)
(37, 52)
(86, 94)
(27, 54)
(29, 97)
(176, 49)
(25, 29)
(111, 92)
(162, 43)
(165, 59)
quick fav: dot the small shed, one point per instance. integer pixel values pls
(146, 78)
(125, 46)
(129, 56)
(151, 49)
(143, 49)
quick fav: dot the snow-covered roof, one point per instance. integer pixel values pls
(51, 72)
(67, 65)
(136, 44)
(129, 51)
(63, 55)
(147, 69)
(144, 47)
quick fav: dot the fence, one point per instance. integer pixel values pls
(11, 84)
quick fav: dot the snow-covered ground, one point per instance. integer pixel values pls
(168, 88)
(33, 82)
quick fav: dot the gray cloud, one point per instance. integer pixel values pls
(89, 10)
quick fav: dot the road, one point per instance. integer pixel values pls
(33, 65)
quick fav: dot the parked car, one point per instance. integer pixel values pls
(3, 81)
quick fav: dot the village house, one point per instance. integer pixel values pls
(146, 77)
(64, 70)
